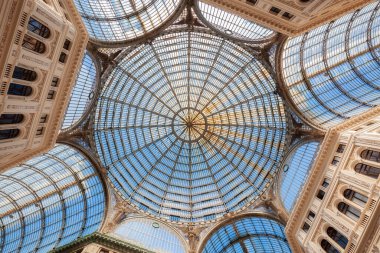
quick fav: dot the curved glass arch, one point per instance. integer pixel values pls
(82, 92)
(332, 72)
(298, 164)
(49, 201)
(151, 235)
(189, 127)
(252, 234)
(232, 25)
(116, 21)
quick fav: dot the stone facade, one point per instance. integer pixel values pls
(42, 44)
(339, 205)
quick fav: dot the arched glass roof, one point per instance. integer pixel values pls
(189, 127)
(151, 235)
(49, 201)
(117, 21)
(332, 72)
(296, 171)
(252, 234)
(82, 93)
(232, 25)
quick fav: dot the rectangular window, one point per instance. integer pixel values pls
(43, 118)
(275, 10)
(55, 81)
(67, 44)
(311, 216)
(287, 16)
(62, 58)
(341, 148)
(252, 2)
(335, 161)
(40, 131)
(320, 194)
(305, 227)
(325, 182)
(51, 94)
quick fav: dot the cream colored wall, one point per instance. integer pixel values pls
(46, 65)
(342, 176)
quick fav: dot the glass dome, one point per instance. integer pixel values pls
(332, 72)
(151, 235)
(117, 21)
(251, 234)
(232, 25)
(189, 127)
(296, 171)
(50, 201)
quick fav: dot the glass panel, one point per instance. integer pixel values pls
(332, 72)
(47, 202)
(124, 20)
(232, 25)
(256, 234)
(299, 164)
(153, 235)
(189, 127)
(82, 93)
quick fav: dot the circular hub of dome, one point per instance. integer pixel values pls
(189, 127)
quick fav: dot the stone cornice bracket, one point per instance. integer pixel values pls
(193, 238)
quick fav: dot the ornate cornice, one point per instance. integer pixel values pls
(318, 171)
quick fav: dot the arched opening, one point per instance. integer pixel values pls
(328, 247)
(337, 237)
(370, 155)
(38, 28)
(19, 90)
(24, 74)
(355, 197)
(33, 44)
(349, 211)
(9, 133)
(367, 170)
(11, 118)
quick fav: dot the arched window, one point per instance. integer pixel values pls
(24, 74)
(19, 90)
(33, 44)
(328, 247)
(348, 210)
(38, 28)
(371, 155)
(10, 118)
(9, 133)
(355, 197)
(337, 237)
(367, 170)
